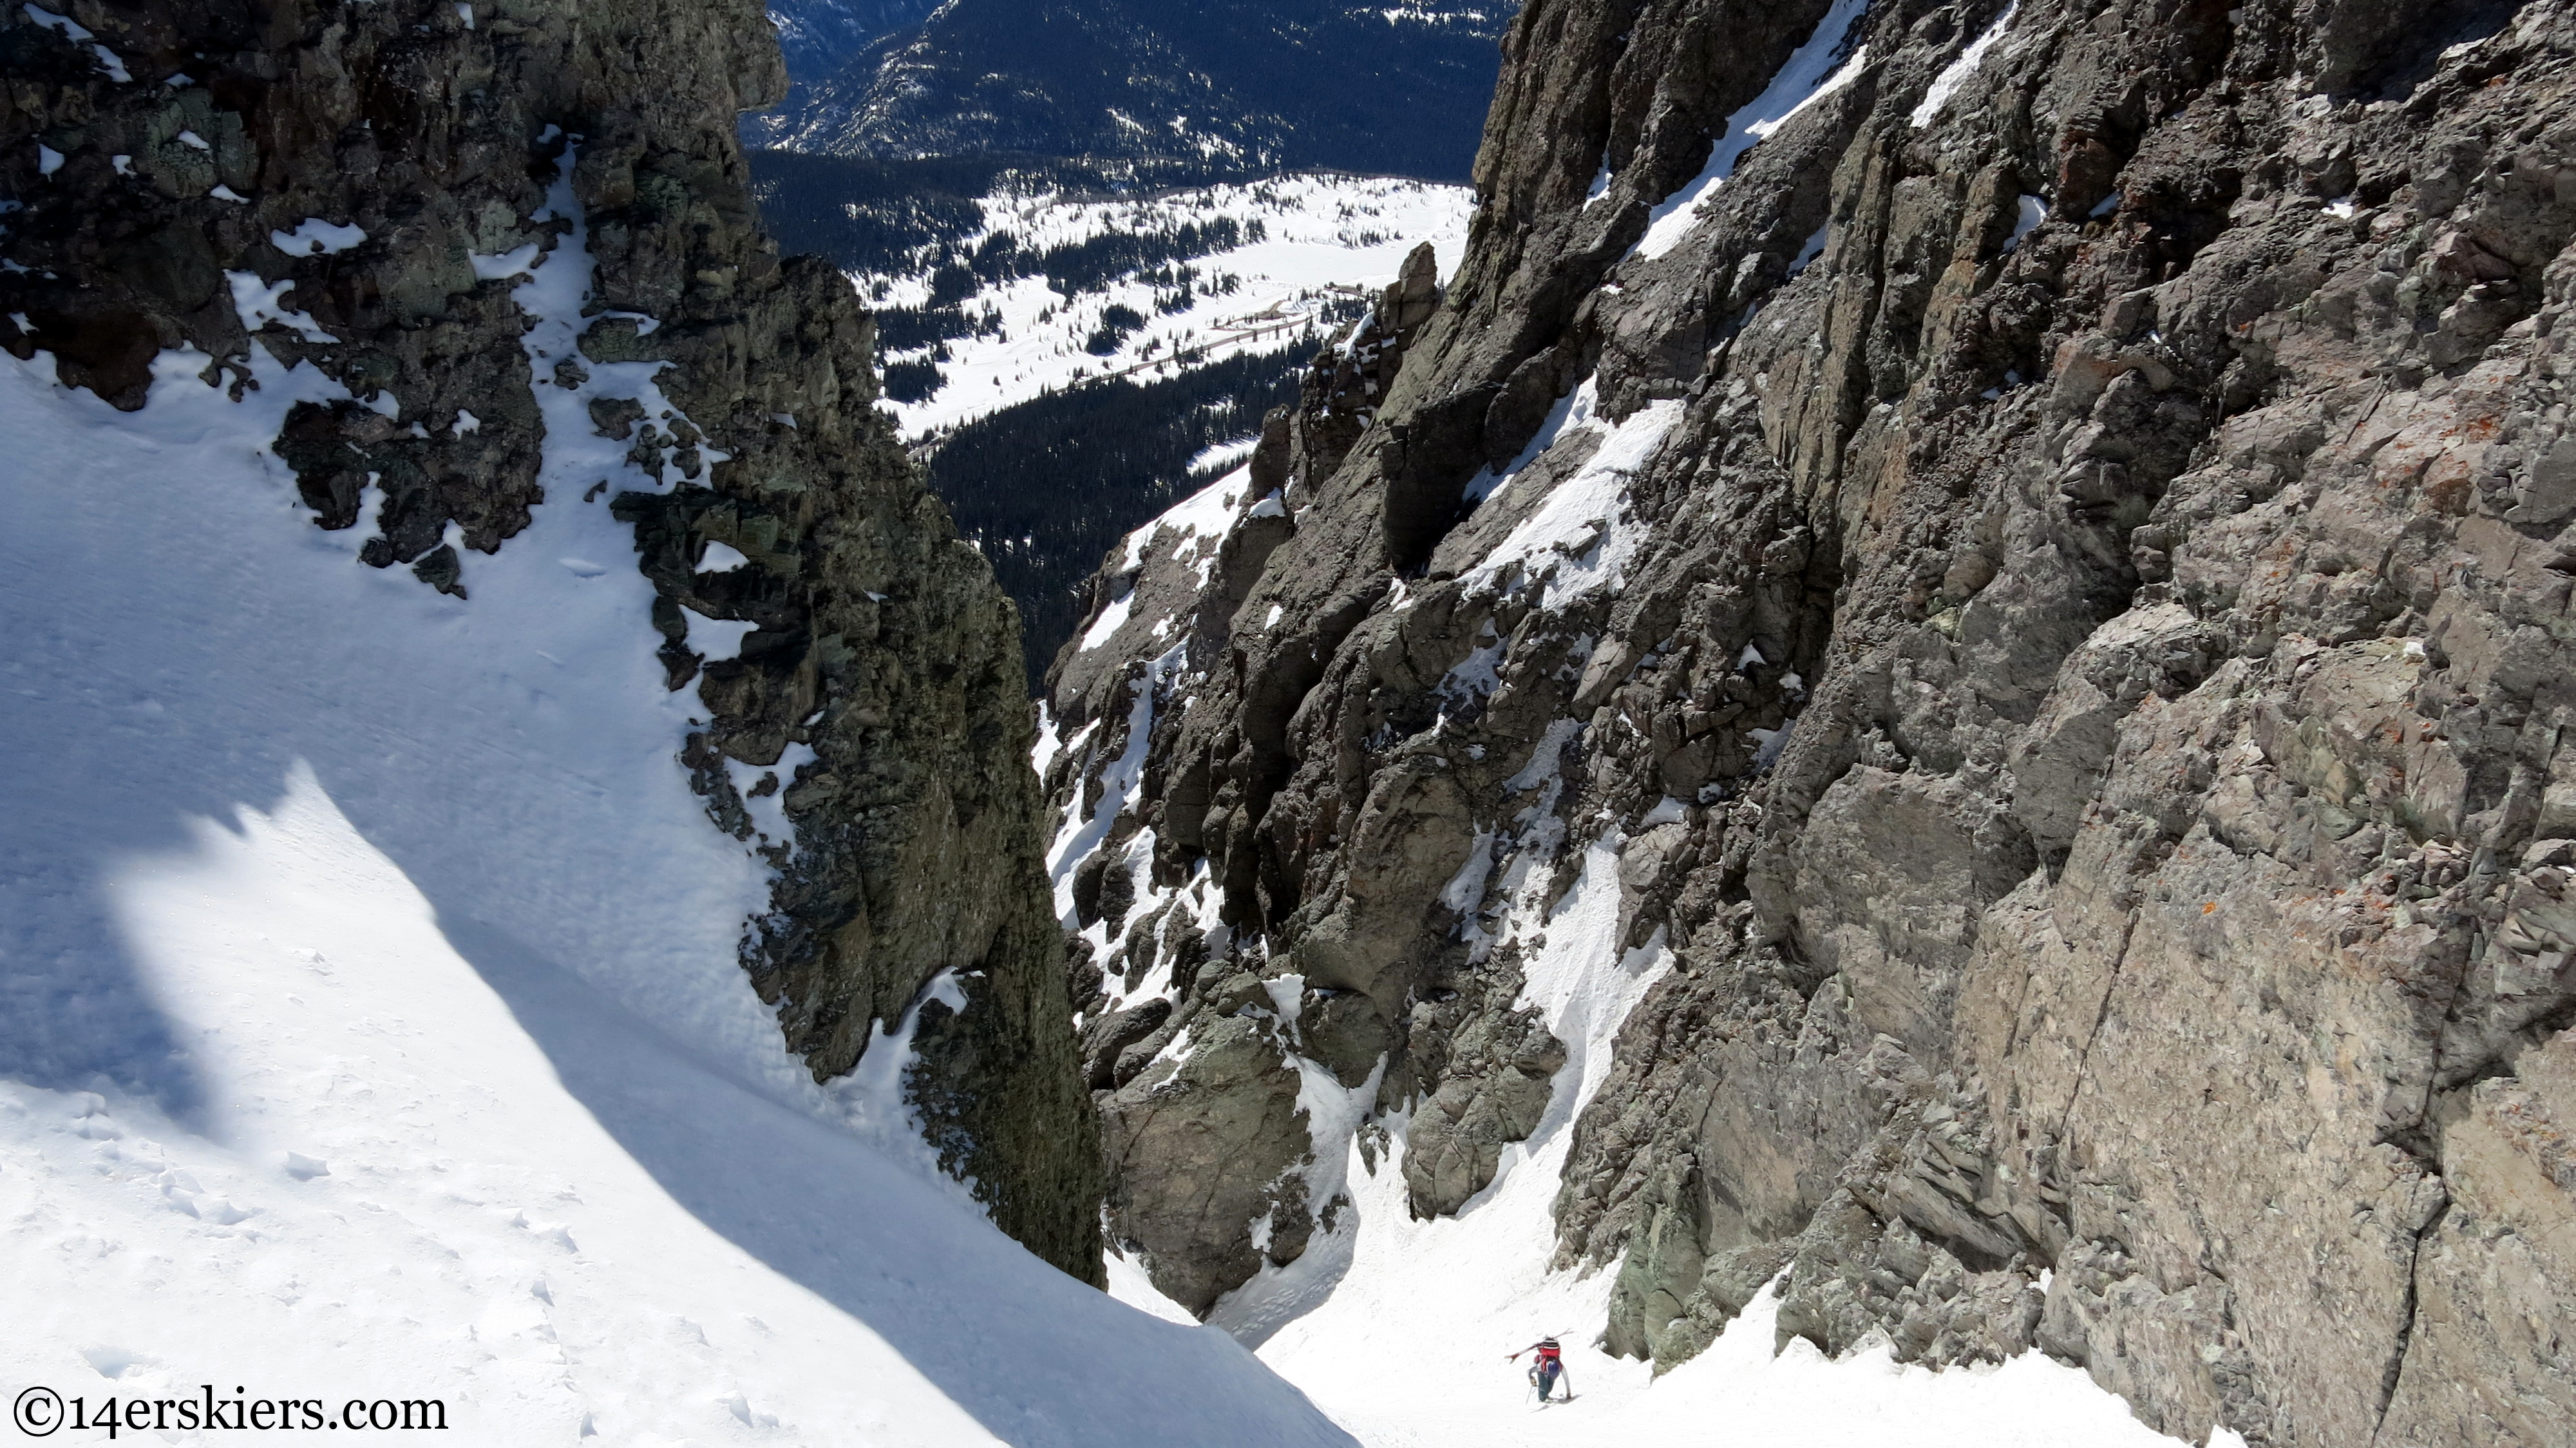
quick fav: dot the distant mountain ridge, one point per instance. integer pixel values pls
(1233, 87)
(817, 36)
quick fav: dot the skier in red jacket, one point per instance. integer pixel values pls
(1547, 1369)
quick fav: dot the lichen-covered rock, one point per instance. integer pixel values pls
(356, 186)
(1200, 1144)
(2047, 582)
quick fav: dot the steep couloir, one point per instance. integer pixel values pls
(357, 185)
(2001, 570)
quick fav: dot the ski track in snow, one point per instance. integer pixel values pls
(1329, 238)
(370, 1019)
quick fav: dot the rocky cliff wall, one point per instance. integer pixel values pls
(356, 185)
(2032, 544)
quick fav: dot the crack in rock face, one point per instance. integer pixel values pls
(2042, 581)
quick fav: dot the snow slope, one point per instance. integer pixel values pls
(1328, 239)
(370, 1024)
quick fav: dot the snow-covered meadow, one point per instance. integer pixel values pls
(1326, 238)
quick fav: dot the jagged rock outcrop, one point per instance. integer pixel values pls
(2023, 546)
(356, 186)
(1204, 1133)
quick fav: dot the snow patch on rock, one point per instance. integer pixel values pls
(1956, 73)
(1808, 76)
